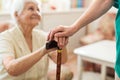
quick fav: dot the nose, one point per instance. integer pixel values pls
(36, 12)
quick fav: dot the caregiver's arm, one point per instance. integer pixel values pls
(95, 10)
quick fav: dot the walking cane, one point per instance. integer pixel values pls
(59, 53)
(53, 44)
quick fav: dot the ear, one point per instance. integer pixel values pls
(16, 14)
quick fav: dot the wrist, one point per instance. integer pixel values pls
(43, 50)
(74, 29)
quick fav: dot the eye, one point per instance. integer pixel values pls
(31, 8)
(38, 9)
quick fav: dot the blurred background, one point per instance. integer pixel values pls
(65, 12)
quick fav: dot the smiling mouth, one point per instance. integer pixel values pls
(35, 18)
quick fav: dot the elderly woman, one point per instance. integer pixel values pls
(23, 55)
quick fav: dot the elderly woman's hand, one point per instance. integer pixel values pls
(62, 41)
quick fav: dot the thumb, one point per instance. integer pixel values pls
(53, 32)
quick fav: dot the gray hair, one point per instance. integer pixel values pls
(18, 6)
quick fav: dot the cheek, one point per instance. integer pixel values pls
(27, 18)
(24, 18)
(36, 19)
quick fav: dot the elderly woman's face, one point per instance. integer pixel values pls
(30, 14)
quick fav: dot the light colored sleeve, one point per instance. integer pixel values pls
(6, 47)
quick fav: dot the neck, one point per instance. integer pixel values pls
(27, 31)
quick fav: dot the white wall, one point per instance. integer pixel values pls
(4, 17)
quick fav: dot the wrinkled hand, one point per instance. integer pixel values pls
(60, 31)
(62, 41)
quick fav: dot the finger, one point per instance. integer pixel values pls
(63, 41)
(56, 39)
(48, 36)
(61, 34)
(60, 42)
(66, 41)
(51, 36)
(54, 31)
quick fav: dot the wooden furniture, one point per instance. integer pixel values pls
(102, 52)
(104, 30)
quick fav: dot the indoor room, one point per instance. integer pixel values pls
(89, 53)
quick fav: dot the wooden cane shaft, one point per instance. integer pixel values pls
(58, 64)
